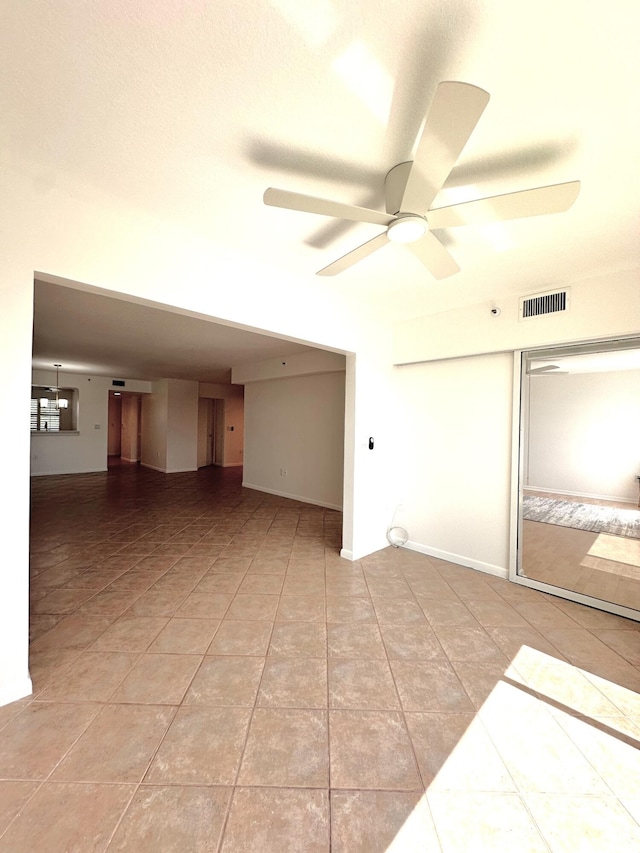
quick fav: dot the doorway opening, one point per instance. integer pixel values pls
(124, 438)
(211, 429)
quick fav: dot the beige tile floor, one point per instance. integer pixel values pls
(595, 564)
(209, 675)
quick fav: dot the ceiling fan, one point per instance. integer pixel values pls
(550, 369)
(411, 187)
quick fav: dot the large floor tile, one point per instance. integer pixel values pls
(455, 753)
(484, 822)
(253, 607)
(67, 816)
(77, 631)
(590, 824)
(173, 819)
(226, 680)
(371, 749)
(411, 642)
(185, 636)
(117, 746)
(298, 639)
(429, 686)
(466, 643)
(91, 677)
(158, 679)
(286, 748)
(301, 608)
(355, 640)
(344, 608)
(381, 822)
(362, 683)
(205, 605)
(202, 747)
(294, 683)
(130, 634)
(13, 796)
(234, 637)
(277, 820)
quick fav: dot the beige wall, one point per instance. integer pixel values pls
(129, 449)
(114, 437)
(294, 431)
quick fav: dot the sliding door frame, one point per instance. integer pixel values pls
(519, 442)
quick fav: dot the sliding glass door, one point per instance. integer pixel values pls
(578, 519)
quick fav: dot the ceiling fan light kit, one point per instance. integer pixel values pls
(407, 229)
(411, 187)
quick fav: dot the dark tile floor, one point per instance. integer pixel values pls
(210, 675)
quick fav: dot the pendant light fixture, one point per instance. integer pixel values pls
(59, 404)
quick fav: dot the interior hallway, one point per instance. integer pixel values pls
(209, 675)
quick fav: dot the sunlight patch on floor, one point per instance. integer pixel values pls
(617, 548)
(551, 761)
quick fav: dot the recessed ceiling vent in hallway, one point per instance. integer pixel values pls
(543, 303)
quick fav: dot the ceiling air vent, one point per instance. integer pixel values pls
(544, 303)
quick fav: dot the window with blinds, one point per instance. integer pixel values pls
(53, 414)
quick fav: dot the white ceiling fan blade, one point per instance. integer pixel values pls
(325, 207)
(547, 369)
(452, 117)
(356, 255)
(555, 198)
(434, 256)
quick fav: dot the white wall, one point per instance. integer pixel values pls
(60, 453)
(182, 426)
(155, 413)
(453, 457)
(86, 451)
(599, 308)
(296, 425)
(170, 426)
(584, 434)
(15, 346)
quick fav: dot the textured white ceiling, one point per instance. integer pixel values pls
(88, 332)
(190, 110)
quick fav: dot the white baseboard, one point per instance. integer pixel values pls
(126, 459)
(16, 690)
(168, 470)
(301, 498)
(62, 473)
(231, 465)
(487, 568)
(348, 555)
(616, 498)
